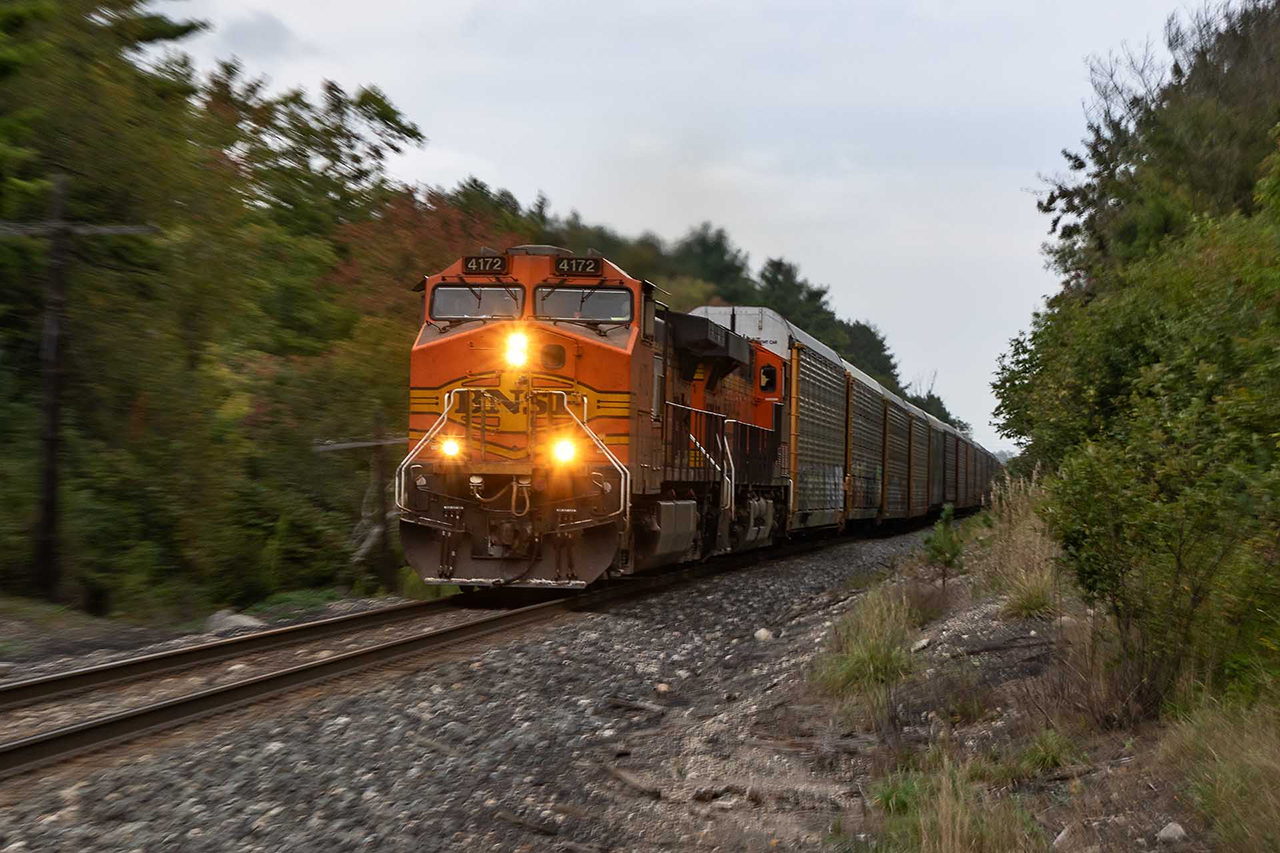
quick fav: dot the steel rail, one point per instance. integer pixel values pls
(58, 684)
(26, 754)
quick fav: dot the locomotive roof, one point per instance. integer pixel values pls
(775, 332)
(768, 327)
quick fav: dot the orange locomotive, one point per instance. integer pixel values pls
(565, 425)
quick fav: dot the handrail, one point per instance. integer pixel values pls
(692, 409)
(727, 501)
(624, 499)
(402, 490)
(704, 452)
(750, 425)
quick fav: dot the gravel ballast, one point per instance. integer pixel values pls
(523, 745)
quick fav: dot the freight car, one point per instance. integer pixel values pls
(565, 425)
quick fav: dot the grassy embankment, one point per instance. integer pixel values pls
(1006, 763)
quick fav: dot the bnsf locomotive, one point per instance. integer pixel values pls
(565, 425)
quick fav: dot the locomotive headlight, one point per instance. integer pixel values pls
(450, 447)
(517, 349)
(564, 450)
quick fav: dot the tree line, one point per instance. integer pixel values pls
(270, 311)
(1149, 386)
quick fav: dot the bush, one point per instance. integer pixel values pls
(1173, 532)
(1165, 492)
(943, 546)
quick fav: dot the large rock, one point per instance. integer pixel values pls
(1072, 838)
(1172, 833)
(229, 620)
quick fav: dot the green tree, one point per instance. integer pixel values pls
(707, 253)
(312, 165)
(1168, 141)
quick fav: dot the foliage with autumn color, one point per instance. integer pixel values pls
(272, 314)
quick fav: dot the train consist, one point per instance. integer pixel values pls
(565, 425)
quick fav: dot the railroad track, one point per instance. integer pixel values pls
(55, 685)
(59, 744)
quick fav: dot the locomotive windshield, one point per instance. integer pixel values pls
(480, 303)
(592, 304)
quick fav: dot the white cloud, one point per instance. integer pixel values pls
(884, 145)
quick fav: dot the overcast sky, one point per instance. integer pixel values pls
(889, 147)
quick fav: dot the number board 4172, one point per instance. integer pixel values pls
(485, 264)
(579, 266)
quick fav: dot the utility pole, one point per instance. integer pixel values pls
(59, 232)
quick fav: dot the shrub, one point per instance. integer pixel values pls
(943, 546)
(1169, 529)
(1165, 491)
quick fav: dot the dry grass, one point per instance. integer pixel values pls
(869, 655)
(957, 695)
(941, 811)
(1230, 758)
(961, 819)
(926, 602)
(869, 647)
(1019, 556)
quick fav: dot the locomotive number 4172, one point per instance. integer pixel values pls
(491, 264)
(579, 266)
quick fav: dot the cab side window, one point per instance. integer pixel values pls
(768, 379)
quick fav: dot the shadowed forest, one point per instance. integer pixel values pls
(271, 310)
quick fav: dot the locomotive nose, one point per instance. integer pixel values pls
(511, 484)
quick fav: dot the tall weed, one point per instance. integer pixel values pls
(1020, 556)
(1230, 757)
(868, 657)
